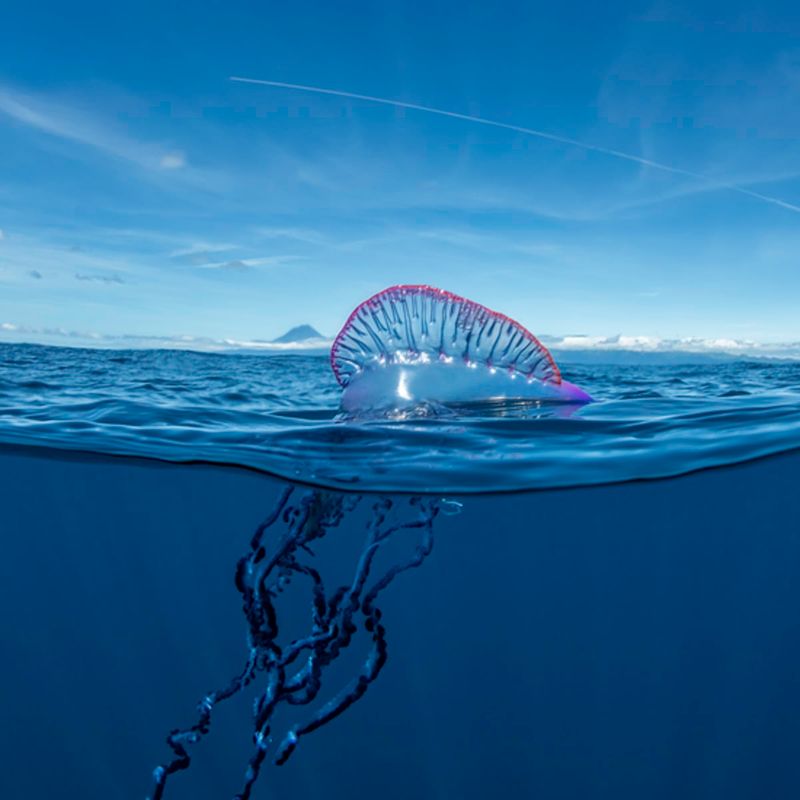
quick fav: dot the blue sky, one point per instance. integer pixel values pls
(144, 193)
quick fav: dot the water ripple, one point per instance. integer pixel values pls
(280, 414)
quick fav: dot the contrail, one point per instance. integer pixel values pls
(552, 137)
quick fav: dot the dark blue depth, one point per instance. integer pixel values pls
(629, 641)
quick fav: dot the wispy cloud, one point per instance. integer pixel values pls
(305, 235)
(56, 118)
(173, 161)
(107, 129)
(491, 242)
(108, 279)
(245, 264)
(50, 254)
(229, 257)
(199, 255)
(734, 118)
(235, 265)
(552, 137)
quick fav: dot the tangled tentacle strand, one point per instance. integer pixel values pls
(293, 671)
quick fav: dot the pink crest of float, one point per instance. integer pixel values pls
(410, 322)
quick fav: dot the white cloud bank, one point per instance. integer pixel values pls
(688, 345)
(12, 332)
(563, 346)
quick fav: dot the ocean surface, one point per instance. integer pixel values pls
(280, 415)
(537, 601)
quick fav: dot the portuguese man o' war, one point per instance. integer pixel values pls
(404, 347)
(416, 344)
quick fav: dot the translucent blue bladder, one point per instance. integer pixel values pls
(417, 344)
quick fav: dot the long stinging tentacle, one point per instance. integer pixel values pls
(179, 738)
(335, 618)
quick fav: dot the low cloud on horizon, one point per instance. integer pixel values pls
(562, 346)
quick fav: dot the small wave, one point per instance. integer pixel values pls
(280, 414)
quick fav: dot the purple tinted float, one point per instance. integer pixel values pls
(415, 320)
(418, 343)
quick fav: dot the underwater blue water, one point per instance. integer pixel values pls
(627, 639)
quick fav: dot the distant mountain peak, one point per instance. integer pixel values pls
(300, 333)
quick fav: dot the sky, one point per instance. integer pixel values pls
(145, 194)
